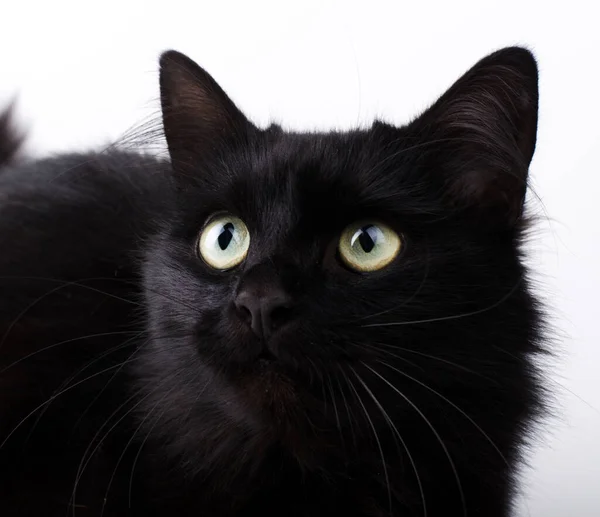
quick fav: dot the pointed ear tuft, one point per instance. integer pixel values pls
(198, 116)
(485, 126)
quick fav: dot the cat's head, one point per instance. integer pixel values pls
(313, 287)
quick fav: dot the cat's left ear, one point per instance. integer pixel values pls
(480, 135)
(199, 119)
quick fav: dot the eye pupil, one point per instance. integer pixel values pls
(367, 238)
(226, 235)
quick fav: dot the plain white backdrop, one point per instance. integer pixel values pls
(85, 72)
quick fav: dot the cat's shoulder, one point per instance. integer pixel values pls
(100, 202)
(101, 182)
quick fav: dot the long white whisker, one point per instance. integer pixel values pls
(453, 405)
(72, 340)
(452, 317)
(37, 408)
(130, 442)
(348, 411)
(433, 430)
(435, 358)
(335, 410)
(73, 377)
(60, 389)
(381, 349)
(114, 375)
(139, 452)
(48, 293)
(85, 459)
(383, 462)
(395, 429)
(82, 465)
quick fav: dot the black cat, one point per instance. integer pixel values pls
(274, 323)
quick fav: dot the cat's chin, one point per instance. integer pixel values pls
(280, 403)
(267, 384)
(268, 389)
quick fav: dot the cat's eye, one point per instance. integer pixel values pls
(224, 242)
(368, 246)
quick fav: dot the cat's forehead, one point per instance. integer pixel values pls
(312, 184)
(343, 169)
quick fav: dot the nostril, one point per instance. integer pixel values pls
(276, 312)
(280, 315)
(246, 308)
(245, 313)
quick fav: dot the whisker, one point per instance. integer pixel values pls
(37, 408)
(383, 462)
(371, 346)
(140, 347)
(335, 410)
(123, 345)
(74, 376)
(139, 453)
(311, 371)
(79, 283)
(433, 430)
(452, 317)
(453, 405)
(198, 395)
(85, 462)
(347, 406)
(113, 376)
(65, 390)
(89, 336)
(439, 359)
(409, 299)
(395, 429)
(130, 440)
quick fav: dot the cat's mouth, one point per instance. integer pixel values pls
(267, 386)
(266, 359)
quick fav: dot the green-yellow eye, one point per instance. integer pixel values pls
(224, 242)
(368, 246)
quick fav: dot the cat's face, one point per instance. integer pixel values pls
(309, 285)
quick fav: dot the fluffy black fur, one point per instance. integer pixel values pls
(131, 384)
(10, 138)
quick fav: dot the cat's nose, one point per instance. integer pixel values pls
(265, 310)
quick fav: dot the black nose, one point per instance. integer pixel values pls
(265, 309)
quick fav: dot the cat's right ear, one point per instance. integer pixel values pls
(484, 134)
(199, 119)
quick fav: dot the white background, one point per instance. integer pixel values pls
(85, 72)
